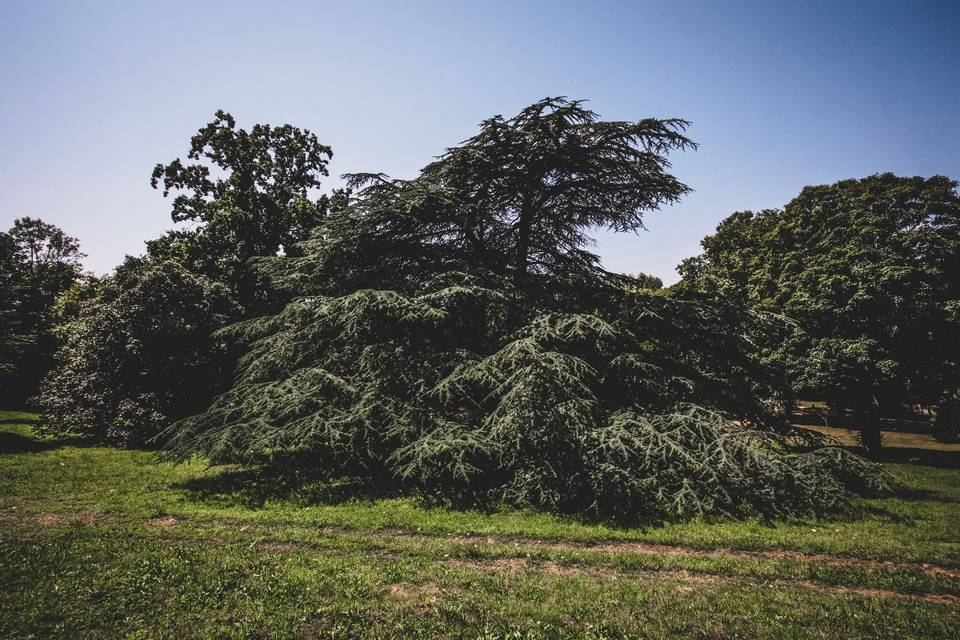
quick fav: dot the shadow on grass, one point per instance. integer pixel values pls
(925, 457)
(18, 443)
(924, 495)
(252, 488)
(920, 456)
(18, 421)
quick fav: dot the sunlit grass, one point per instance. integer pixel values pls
(98, 542)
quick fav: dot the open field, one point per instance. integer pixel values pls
(98, 542)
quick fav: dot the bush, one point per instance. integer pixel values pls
(137, 354)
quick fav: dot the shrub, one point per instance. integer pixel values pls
(137, 354)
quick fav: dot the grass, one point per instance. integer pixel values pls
(98, 542)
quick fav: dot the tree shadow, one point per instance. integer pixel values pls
(924, 495)
(912, 456)
(302, 485)
(18, 421)
(919, 456)
(253, 487)
(11, 443)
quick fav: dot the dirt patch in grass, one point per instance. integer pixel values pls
(522, 565)
(409, 591)
(686, 581)
(668, 550)
(424, 596)
(641, 548)
(167, 521)
(61, 519)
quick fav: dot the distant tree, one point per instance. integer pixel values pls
(644, 281)
(49, 260)
(138, 349)
(38, 262)
(14, 336)
(137, 353)
(450, 334)
(250, 194)
(870, 271)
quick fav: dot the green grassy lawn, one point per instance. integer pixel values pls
(98, 542)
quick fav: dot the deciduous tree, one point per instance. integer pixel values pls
(38, 262)
(249, 193)
(138, 354)
(870, 271)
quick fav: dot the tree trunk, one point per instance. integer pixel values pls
(870, 436)
(524, 225)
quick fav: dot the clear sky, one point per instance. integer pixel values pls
(781, 95)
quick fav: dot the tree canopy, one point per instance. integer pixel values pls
(451, 334)
(248, 192)
(137, 348)
(870, 272)
(38, 262)
(517, 199)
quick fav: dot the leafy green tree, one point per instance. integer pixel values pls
(48, 260)
(249, 193)
(14, 336)
(70, 303)
(645, 281)
(137, 353)
(450, 334)
(38, 262)
(870, 271)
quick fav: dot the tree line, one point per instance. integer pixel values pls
(453, 334)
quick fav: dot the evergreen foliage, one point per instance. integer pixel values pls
(644, 281)
(516, 199)
(451, 334)
(568, 411)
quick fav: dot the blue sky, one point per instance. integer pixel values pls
(781, 95)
